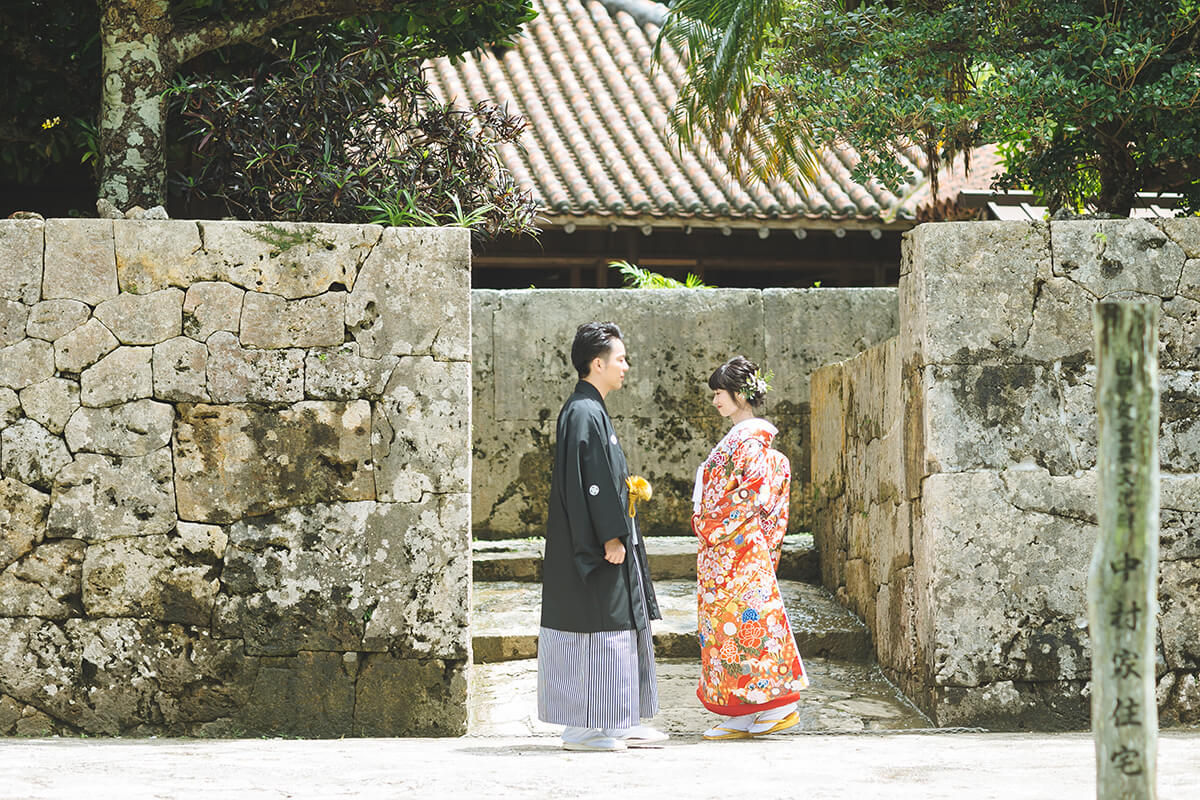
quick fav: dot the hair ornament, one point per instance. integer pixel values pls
(756, 385)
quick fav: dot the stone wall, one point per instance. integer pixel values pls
(954, 467)
(675, 338)
(234, 478)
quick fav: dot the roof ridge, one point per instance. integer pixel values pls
(646, 12)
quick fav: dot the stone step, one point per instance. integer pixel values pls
(671, 557)
(505, 617)
(841, 697)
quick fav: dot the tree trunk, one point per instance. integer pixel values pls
(1118, 180)
(135, 69)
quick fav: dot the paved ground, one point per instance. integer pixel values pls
(894, 766)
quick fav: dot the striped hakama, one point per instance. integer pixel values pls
(597, 680)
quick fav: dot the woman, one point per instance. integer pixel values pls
(751, 671)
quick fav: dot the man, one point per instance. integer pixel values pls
(595, 651)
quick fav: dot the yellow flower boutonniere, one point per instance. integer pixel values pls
(639, 489)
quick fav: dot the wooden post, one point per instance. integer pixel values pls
(1123, 581)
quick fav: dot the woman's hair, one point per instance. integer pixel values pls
(734, 376)
(592, 340)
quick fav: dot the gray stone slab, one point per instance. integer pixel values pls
(25, 363)
(1108, 256)
(22, 242)
(84, 346)
(180, 367)
(212, 306)
(411, 296)
(45, 583)
(122, 376)
(145, 319)
(32, 454)
(10, 407)
(340, 373)
(237, 461)
(242, 375)
(273, 322)
(1179, 334)
(13, 319)
(98, 498)
(51, 403)
(52, 319)
(1182, 231)
(1179, 613)
(153, 255)
(129, 429)
(81, 263)
(1062, 323)
(22, 519)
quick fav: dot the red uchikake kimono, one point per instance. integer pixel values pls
(748, 655)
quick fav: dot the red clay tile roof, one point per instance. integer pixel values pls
(597, 147)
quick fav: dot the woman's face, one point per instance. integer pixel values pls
(727, 403)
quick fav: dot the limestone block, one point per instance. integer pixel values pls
(22, 519)
(1179, 517)
(1179, 334)
(511, 478)
(418, 577)
(1189, 281)
(273, 322)
(130, 429)
(1183, 232)
(239, 375)
(969, 296)
(180, 367)
(51, 403)
(828, 431)
(10, 712)
(143, 318)
(1179, 612)
(409, 697)
(81, 263)
(45, 583)
(806, 328)
(484, 304)
(308, 695)
(32, 454)
(294, 580)
(1014, 706)
(1107, 256)
(994, 417)
(421, 430)
(340, 373)
(237, 461)
(14, 317)
(10, 407)
(1179, 421)
(1062, 323)
(27, 362)
(212, 306)
(153, 255)
(84, 346)
(669, 374)
(97, 498)
(36, 663)
(151, 577)
(53, 319)
(123, 375)
(21, 244)
(1007, 589)
(412, 295)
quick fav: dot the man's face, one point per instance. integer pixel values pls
(609, 374)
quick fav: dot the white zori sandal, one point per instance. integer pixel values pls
(731, 728)
(590, 740)
(774, 720)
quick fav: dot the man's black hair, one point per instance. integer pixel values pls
(592, 340)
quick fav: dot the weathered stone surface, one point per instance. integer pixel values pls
(968, 295)
(421, 430)
(513, 460)
(209, 307)
(289, 259)
(52, 319)
(22, 519)
(273, 322)
(45, 583)
(418, 576)
(806, 328)
(234, 462)
(408, 697)
(143, 318)
(1179, 334)
(130, 429)
(411, 296)
(1189, 281)
(1107, 256)
(51, 403)
(1062, 322)
(1179, 613)
(180, 368)
(152, 577)
(21, 245)
(98, 498)
(84, 346)
(81, 263)
(340, 373)
(294, 580)
(1183, 232)
(309, 695)
(32, 454)
(10, 407)
(26, 362)
(121, 376)
(13, 319)
(1179, 421)
(1179, 515)
(239, 375)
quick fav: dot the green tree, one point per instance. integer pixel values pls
(129, 51)
(1091, 101)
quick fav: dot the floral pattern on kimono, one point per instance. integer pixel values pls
(749, 659)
